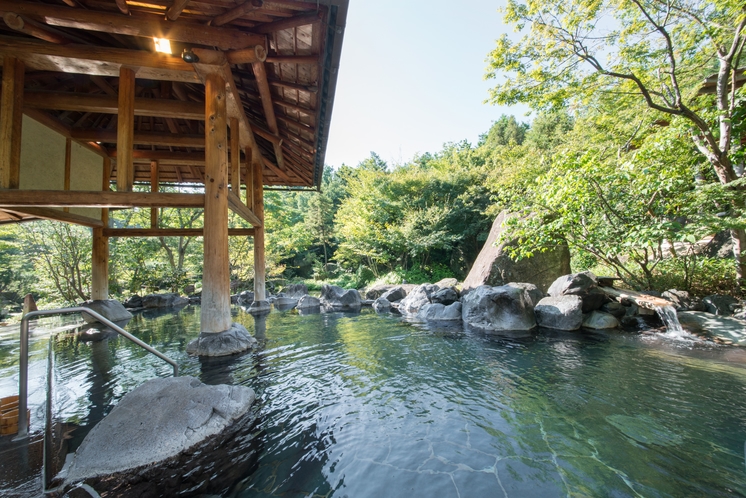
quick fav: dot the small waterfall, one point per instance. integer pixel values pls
(670, 320)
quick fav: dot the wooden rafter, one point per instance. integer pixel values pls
(72, 198)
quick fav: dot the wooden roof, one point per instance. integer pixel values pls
(72, 54)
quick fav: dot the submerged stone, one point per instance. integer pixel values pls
(644, 429)
(232, 341)
(156, 422)
(110, 309)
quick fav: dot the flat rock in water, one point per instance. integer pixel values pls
(110, 309)
(157, 421)
(724, 328)
(644, 429)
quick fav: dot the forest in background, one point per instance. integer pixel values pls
(630, 187)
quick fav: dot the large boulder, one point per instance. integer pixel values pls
(441, 312)
(444, 296)
(417, 298)
(720, 305)
(494, 267)
(394, 294)
(501, 308)
(246, 298)
(308, 302)
(598, 320)
(168, 300)
(561, 313)
(381, 305)
(110, 309)
(682, 301)
(133, 302)
(155, 423)
(295, 291)
(338, 299)
(576, 284)
(534, 293)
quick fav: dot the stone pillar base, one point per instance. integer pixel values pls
(259, 307)
(231, 341)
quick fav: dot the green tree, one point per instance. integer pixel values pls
(649, 51)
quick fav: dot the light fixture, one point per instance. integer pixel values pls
(162, 45)
(189, 56)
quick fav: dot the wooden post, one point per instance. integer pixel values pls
(125, 129)
(154, 188)
(259, 264)
(11, 122)
(100, 250)
(249, 180)
(216, 301)
(68, 165)
(235, 158)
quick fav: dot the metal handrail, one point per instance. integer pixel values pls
(23, 375)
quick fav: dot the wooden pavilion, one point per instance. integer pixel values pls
(217, 94)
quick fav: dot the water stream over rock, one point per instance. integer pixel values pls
(671, 321)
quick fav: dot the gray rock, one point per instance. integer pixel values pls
(561, 313)
(168, 300)
(307, 302)
(446, 282)
(502, 308)
(246, 297)
(614, 308)
(338, 299)
(296, 291)
(598, 320)
(189, 289)
(594, 299)
(534, 293)
(394, 294)
(285, 303)
(444, 296)
(110, 309)
(366, 302)
(232, 341)
(234, 298)
(441, 312)
(258, 307)
(417, 298)
(155, 422)
(720, 305)
(576, 284)
(381, 305)
(493, 266)
(722, 328)
(682, 301)
(377, 291)
(133, 302)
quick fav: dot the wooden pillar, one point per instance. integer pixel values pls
(154, 185)
(249, 180)
(68, 167)
(259, 264)
(100, 254)
(125, 130)
(216, 299)
(235, 158)
(11, 122)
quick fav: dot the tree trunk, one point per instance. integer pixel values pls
(739, 243)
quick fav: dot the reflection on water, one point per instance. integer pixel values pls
(367, 405)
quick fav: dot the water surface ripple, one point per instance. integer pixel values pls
(363, 405)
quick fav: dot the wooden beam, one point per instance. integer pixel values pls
(11, 122)
(32, 28)
(247, 55)
(267, 135)
(68, 101)
(236, 12)
(235, 151)
(154, 190)
(296, 108)
(235, 204)
(95, 199)
(56, 215)
(171, 232)
(289, 23)
(176, 8)
(167, 158)
(269, 112)
(293, 86)
(277, 171)
(147, 26)
(140, 138)
(125, 130)
(234, 106)
(216, 313)
(311, 60)
(122, 6)
(98, 61)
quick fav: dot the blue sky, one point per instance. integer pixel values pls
(411, 78)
